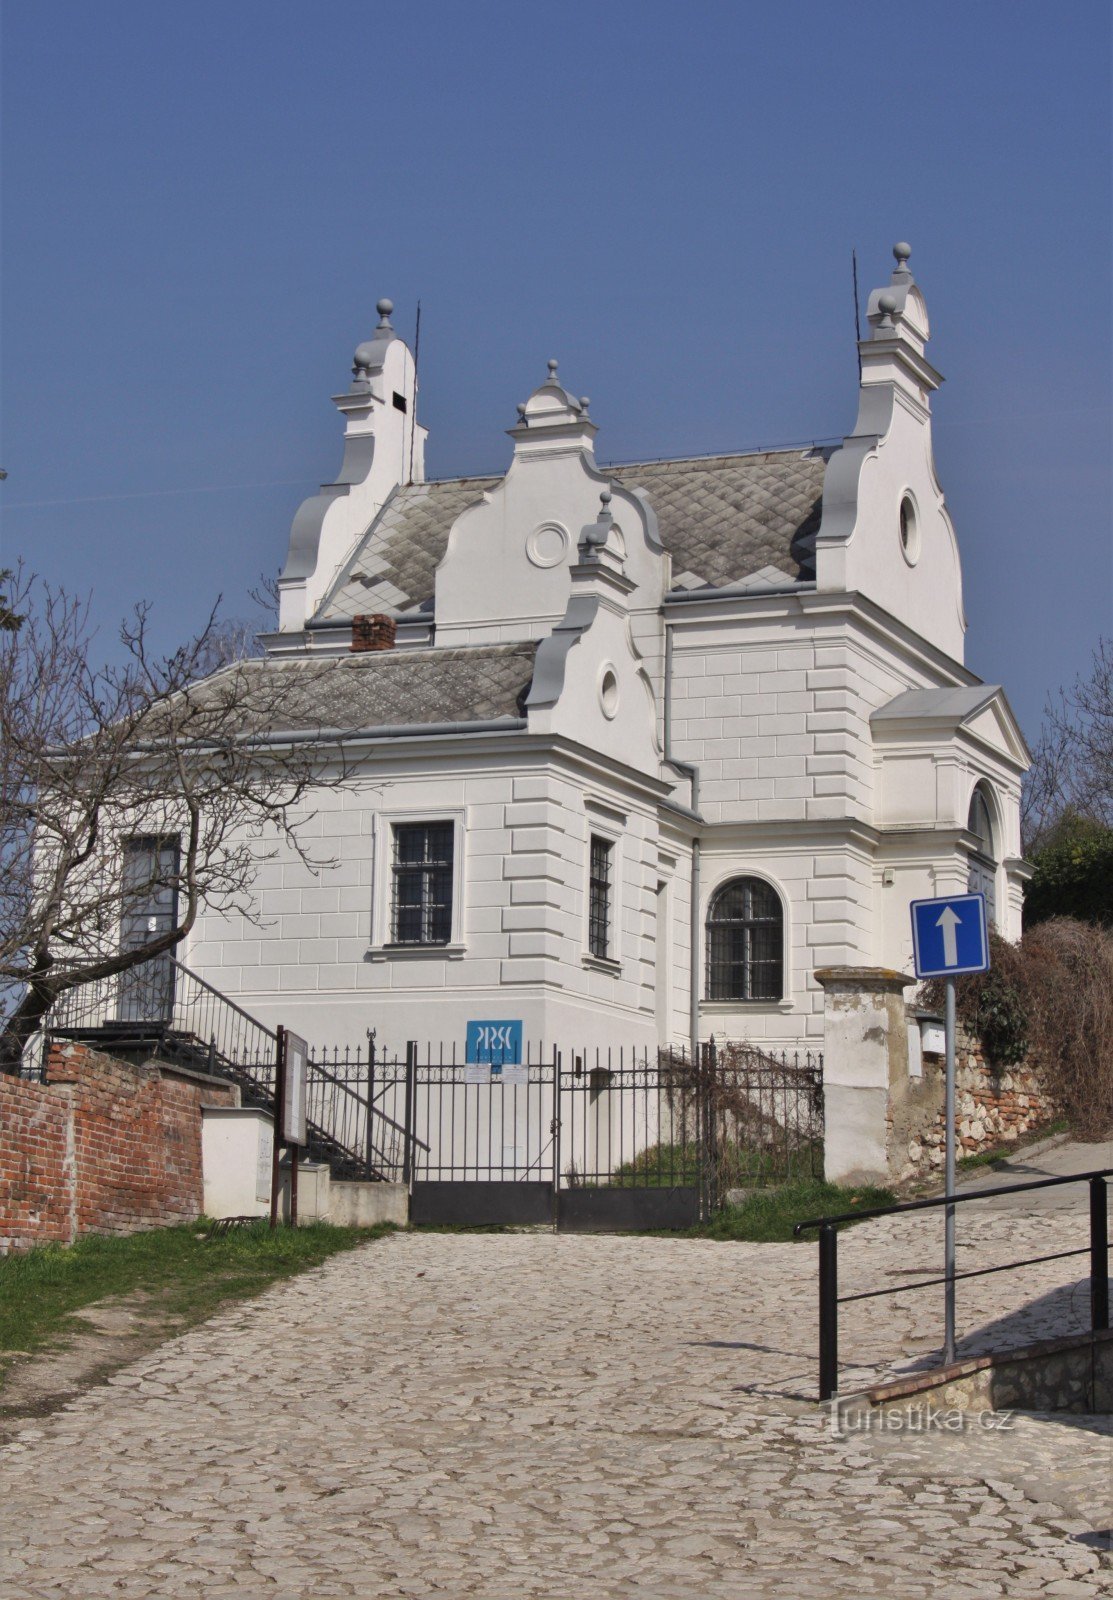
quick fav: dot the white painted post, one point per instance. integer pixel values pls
(865, 1054)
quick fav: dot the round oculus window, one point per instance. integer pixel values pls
(909, 530)
(608, 692)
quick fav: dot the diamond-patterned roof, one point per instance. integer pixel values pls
(723, 518)
(376, 688)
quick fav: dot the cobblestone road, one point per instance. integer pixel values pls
(513, 1416)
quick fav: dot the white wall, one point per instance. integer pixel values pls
(318, 964)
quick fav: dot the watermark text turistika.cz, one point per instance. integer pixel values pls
(926, 1418)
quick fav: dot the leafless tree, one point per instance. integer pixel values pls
(1072, 767)
(237, 638)
(92, 757)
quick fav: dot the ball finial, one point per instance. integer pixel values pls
(605, 501)
(887, 303)
(585, 402)
(902, 252)
(553, 365)
(385, 307)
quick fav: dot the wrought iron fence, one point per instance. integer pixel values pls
(581, 1118)
(765, 1114)
(586, 1118)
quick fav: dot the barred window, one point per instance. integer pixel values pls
(421, 912)
(982, 866)
(745, 942)
(599, 898)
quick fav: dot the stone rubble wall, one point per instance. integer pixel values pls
(102, 1147)
(995, 1106)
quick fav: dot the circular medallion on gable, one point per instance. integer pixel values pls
(547, 544)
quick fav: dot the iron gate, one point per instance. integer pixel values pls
(583, 1140)
(633, 1138)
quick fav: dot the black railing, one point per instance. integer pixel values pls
(580, 1118)
(765, 1115)
(830, 1299)
(183, 1020)
(349, 1097)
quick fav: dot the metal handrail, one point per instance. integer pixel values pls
(948, 1199)
(203, 983)
(830, 1299)
(368, 1105)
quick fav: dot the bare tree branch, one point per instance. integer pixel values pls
(1072, 766)
(91, 758)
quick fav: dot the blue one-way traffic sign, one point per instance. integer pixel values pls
(949, 935)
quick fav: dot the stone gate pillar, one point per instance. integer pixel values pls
(865, 1059)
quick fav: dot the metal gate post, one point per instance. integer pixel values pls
(410, 1108)
(276, 1134)
(828, 1312)
(555, 1130)
(369, 1131)
(1099, 1256)
(709, 1165)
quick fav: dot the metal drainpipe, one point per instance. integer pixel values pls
(694, 924)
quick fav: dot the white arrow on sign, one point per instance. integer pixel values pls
(949, 921)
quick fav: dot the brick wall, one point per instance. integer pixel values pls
(101, 1147)
(36, 1165)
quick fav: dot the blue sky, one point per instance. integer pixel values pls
(202, 202)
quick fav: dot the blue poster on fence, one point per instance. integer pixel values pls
(494, 1044)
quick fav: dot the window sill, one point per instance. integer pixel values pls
(415, 952)
(602, 964)
(718, 1007)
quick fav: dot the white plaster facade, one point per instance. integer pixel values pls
(804, 720)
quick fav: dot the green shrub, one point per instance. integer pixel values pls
(1050, 998)
(1073, 876)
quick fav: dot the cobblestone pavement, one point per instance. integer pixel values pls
(513, 1416)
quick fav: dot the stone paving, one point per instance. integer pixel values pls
(530, 1417)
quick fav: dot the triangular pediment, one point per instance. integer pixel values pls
(980, 711)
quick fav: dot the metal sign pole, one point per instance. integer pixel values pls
(279, 1094)
(949, 1181)
(950, 935)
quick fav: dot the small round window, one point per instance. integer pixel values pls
(909, 530)
(608, 692)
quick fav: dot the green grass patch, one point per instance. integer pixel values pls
(670, 1166)
(43, 1290)
(768, 1216)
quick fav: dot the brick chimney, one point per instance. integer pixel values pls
(373, 632)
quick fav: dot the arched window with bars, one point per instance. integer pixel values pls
(745, 942)
(982, 872)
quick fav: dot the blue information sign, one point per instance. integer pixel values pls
(949, 935)
(494, 1044)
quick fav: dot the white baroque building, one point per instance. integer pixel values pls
(631, 751)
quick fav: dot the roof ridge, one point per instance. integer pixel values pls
(799, 447)
(406, 652)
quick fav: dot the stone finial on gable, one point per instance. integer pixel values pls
(897, 316)
(371, 354)
(553, 418)
(600, 543)
(384, 447)
(886, 532)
